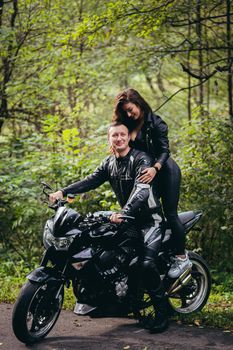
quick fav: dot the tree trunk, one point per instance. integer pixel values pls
(7, 71)
(229, 56)
(1, 11)
(3, 106)
(188, 65)
(200, 54)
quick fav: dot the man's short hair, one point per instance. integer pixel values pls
(112, 125)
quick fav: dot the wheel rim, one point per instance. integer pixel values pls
(192, 296)
(44, 310)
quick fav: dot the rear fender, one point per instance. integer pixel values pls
(43, 274)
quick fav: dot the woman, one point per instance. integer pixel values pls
(149, 133)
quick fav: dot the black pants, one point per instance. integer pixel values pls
(167, 187)
(150, 275)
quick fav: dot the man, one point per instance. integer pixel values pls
(123, 170)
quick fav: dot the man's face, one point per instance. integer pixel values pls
(118, 137)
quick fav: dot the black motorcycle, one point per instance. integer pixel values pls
(102, 262)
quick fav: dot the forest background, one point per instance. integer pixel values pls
(62, 63)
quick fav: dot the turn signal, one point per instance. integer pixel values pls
(70, 198)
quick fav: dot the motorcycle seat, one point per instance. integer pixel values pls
(187, 216)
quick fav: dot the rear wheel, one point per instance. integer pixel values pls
(193, 296)
(36, 310)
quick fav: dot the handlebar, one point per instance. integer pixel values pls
(102, 216)
(59, 202)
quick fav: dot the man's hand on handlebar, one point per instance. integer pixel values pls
(54, 196)
(116, 218)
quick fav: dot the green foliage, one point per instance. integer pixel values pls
(13, 276)
(62, 62)
(69, 58)
(52, 157)
(205, 155)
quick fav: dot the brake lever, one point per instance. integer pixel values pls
(127, 217)
(45, 188)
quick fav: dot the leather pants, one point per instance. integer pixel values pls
(167, 187)
(150, 275)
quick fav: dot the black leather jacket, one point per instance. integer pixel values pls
(152, 138)
(122, 173)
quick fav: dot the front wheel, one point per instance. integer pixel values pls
(36, 310)
(193, 296)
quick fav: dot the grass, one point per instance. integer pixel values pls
(10, 287)
(218, 311)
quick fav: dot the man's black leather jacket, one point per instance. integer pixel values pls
(123, 174)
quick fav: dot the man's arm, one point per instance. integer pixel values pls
(90, 182)
(140, 192)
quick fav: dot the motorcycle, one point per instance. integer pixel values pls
(102, 263)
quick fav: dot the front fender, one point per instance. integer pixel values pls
(42, 274)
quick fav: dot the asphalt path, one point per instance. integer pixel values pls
(73, 332)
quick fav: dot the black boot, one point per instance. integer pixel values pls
(160, 321)
(159, 324)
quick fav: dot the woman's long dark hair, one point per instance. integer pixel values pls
(127, 96)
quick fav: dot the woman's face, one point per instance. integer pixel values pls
(132, 110)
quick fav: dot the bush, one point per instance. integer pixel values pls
(57, 158)
(205, 155)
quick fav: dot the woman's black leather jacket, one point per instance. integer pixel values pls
(153, 139)
(123, 175)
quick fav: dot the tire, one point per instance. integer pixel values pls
(36, 310)
(193, 296)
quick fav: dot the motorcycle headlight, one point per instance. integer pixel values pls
(63, 243)
(48, 238)
(60, 243)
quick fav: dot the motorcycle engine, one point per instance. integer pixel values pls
(112, 265)
(107, 279)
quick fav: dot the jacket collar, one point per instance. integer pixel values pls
(122, 159)
(148, 119)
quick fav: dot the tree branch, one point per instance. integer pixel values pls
(187, 22)
(154, 9)
(178, 91)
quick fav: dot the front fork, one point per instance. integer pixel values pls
(44, 273)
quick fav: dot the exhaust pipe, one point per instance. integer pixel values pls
(180, 282)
